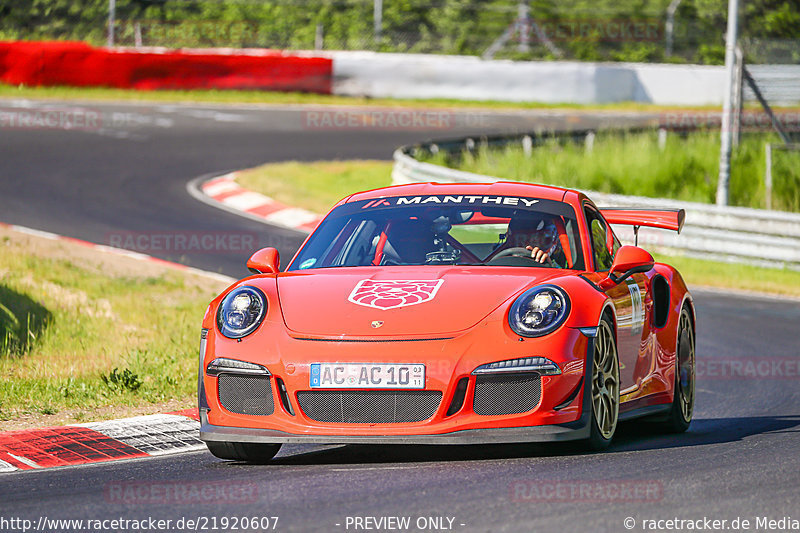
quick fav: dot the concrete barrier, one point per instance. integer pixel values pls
(80, 65)
(382, 75)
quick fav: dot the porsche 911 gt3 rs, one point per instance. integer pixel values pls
(450, 314)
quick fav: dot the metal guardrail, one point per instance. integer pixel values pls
(736, 234)
(779, 83)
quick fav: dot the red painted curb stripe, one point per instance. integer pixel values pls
(167, 263)
(215, 181)
(263, 211)
(266, 209)
(227, 194)
(62, 446)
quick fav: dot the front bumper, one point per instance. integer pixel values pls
(555, 419)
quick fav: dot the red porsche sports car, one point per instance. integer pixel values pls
(450, 314)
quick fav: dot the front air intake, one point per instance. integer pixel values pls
(246, 395)
(506, 394)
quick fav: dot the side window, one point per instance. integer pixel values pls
(616, 245)
(600, 236)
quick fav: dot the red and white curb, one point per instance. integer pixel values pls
(117, 251)
(225, 191)
(96, 442)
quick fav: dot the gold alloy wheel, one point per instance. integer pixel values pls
(605, 382)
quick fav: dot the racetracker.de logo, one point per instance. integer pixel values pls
(754, 121)
(51, 118)
(562, 491)
(740, 368)
(183, 242)
(379, 119)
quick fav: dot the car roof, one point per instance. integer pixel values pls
(499, 188)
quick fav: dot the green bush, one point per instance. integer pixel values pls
(580, 29)
(120, 381)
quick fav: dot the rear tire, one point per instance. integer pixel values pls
(248, 452)
(680, 413)
(604, 389)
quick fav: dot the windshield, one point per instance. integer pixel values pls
(445, 229)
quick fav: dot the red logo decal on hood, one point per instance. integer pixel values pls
(394, 293)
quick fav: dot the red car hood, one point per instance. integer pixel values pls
(398, 301)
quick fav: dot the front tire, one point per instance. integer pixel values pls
(680, 413)
(248, 452)
(604, 389)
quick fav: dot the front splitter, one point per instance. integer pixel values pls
(550, 433)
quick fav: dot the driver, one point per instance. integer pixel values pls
(536, 233)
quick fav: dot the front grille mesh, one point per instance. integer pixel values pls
(246, 395)
(506, 394)
(369, 407)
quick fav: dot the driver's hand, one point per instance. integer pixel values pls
(539, 255)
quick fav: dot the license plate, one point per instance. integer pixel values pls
(367, 376)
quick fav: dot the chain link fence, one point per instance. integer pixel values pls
(601, 30)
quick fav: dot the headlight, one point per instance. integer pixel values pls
(538, 311)
(241, 311)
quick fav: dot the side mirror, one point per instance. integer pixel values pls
(628, 261)
(265, 261)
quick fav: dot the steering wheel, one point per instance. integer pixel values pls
(519, 251)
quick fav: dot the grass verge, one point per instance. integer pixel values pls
(89, 336)
(318, 186)
(281, 98)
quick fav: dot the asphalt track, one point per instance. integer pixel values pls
(738, 460)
